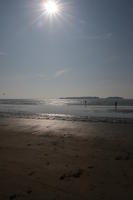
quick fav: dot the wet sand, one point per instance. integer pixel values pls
(65, 160)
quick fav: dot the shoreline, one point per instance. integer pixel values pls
(58, 159)
(62, 117)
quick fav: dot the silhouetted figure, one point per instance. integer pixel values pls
(116, 105)
(85, 102)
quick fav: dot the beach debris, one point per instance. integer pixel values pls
(48, 163)
(39, 144)
(54, 143)
(92, 187)
(77, 173)
(63, 177)
(125, 156)
(31, 173)
(124, 174)
(73, 174)
(13, 196)
(118, 158)
(90, 167)
(29, 191)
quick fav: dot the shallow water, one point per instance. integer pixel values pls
(63, 109)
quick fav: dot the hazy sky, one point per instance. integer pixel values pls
(87, 50)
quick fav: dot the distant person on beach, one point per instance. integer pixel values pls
(85, 102)
(116, 105)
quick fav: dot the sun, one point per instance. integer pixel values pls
(51, 7)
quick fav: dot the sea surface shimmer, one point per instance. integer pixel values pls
(66, 109)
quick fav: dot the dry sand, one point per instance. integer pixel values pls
(65, 160)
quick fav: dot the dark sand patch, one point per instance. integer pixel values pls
(38, 161)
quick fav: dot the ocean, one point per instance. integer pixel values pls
(65, 109)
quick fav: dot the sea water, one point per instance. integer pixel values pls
(66, 109)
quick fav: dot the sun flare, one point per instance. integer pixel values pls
(51, 7)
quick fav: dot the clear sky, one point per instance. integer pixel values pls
(86, 51)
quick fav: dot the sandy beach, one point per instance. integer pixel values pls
(65, 160)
